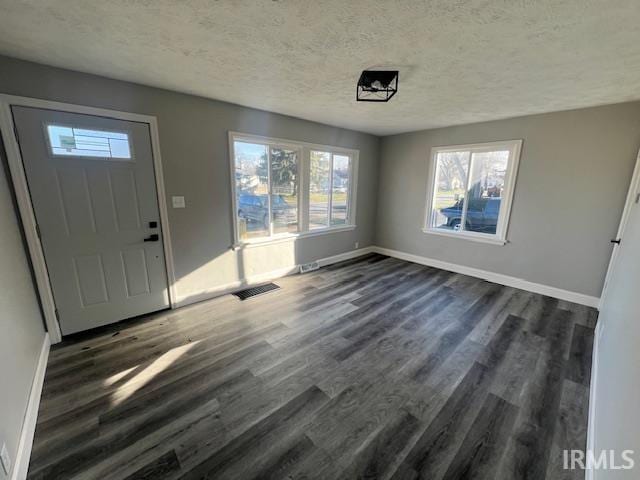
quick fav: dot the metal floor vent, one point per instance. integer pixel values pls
(255, 291)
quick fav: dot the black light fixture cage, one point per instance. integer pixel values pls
(377, 85)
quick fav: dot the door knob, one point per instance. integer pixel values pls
(154, 237)
(616, 240)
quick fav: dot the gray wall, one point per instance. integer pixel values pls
(574, 174)
(21, 327)
(194, 144)
(561, 222)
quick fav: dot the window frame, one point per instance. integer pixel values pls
(304, 162)
(330, 211)
(500, 237)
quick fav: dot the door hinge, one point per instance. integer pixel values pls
(637, 197)
(38, 232)
(56, 314)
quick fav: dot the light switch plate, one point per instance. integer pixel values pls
(5, 459)
(178, 202)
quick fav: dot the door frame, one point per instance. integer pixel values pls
(632, 193)
(25, 206)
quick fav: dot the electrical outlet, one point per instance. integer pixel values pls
(356, 245)
(5, 459)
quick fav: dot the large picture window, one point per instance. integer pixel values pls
(284, 189)
(470, 190)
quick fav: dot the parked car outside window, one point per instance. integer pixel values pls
(255, 209)
(482, 215)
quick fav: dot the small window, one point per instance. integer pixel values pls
(319, 188)
(471, 188)
(82, 142)
(329, 182)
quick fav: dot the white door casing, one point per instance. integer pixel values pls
(93, 215)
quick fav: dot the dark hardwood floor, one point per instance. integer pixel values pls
(371, 368)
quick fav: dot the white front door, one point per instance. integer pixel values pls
(92, 184)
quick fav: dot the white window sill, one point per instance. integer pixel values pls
(474, 237)
(290, 237)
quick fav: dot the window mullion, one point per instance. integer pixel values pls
(306, 190)
(269, 190)
(465, 204)
(434, 185)
(347, 218)
(301, 186)
(330, 204)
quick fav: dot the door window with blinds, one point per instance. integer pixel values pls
(470, 190)
(284, 188)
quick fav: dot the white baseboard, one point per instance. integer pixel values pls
(494, 277)
(431, 262)
(23, 455)
(591, 427)
(341, 257)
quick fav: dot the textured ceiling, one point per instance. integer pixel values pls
(459, 61)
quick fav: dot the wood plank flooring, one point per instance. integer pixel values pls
(371, 368)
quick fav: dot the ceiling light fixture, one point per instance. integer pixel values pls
(377, 85)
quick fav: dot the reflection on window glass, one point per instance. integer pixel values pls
(80, 142)
(451, 181)
(319, 189)
(252, 189)
(485, 190)
(284, 190)
(340, 190)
